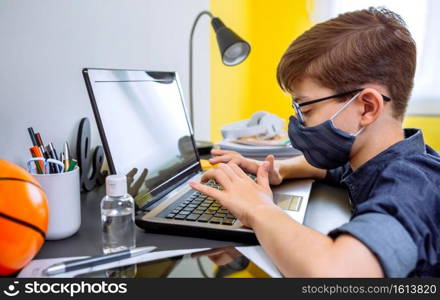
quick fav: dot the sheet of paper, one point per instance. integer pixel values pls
(257, 255)
(35, 268)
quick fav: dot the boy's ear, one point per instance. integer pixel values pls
(371, 102)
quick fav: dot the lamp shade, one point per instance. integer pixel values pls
(233, 49)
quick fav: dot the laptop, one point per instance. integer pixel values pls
(146, 135)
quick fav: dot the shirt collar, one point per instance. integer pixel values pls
(356, 180)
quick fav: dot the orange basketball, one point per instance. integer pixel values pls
(23, 217)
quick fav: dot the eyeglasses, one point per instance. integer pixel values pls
(297, 106)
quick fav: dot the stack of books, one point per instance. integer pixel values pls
(256, 148)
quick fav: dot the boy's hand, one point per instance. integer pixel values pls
(240, 194)
(248, 165)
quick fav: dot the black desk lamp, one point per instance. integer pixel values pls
(233, 51)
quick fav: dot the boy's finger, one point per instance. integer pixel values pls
(207, 175)
(271, 160)
(219, 151)
(263, 175)
(227, 171)
(237, 170)
(219, 175)
(209, 191)
(220, 159)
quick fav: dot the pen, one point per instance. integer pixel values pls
(66, 156)
(56, 157)
(49, 154)
(32, 135)
(39, 139)
(52, 154)
(78, 264)
(64, 161)
(41, 144)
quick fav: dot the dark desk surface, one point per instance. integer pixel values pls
(328, 208)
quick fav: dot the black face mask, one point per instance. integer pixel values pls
(324, 146)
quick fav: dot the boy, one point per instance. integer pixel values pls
(350, 79)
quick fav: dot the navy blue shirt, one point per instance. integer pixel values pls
(396, 207)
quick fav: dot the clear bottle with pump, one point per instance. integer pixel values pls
(117, 216)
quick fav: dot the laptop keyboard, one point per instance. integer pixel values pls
(199, 207)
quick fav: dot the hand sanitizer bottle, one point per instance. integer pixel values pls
(117, 216)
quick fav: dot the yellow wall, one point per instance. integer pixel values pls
(239, 91)
(430, 126)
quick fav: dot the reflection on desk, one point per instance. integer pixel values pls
(214, 263)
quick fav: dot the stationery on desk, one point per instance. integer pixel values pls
(78, 264)
(36, 268)
(46, 158)
(59, 178)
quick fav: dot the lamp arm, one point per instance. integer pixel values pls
(191, 38)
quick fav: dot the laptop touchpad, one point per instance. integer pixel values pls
(288, 202)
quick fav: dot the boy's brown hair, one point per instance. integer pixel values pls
(366, 46)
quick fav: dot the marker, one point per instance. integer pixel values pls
(35, 151)
(79, 264)
(72, 165)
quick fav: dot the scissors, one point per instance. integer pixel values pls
(46, 163)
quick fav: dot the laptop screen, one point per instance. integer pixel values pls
(142, 121)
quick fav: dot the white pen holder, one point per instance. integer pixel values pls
(64, 197)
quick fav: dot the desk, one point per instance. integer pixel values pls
(328, 208)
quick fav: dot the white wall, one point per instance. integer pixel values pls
(46, 43)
